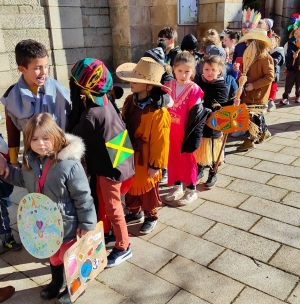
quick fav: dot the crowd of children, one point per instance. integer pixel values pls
(159, 135)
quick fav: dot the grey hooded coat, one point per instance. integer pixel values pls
(66, 184)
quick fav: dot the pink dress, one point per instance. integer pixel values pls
(182, 166)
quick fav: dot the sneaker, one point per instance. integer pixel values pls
(134, 218)
(265, 135)
(246, 145)
(212, 179)
(10, 243)
(284, 101)
(271, 105)
(118, 256)
(175, 193)
(164, 178)
(189, 196)
(148, 226)
(297, 99)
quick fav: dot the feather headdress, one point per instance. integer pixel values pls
(296, 22)
(250, 18)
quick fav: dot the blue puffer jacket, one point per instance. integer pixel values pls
(66, 184)
(291, 49)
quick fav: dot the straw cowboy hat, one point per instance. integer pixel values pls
(147, 71)
(257, 34)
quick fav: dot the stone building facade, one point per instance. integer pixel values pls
(114, 31)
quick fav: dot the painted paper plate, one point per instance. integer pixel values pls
(40, 225)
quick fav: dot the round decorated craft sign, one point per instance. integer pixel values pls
(40, 225)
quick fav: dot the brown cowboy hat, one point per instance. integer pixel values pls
(147, 71)
(257, 34)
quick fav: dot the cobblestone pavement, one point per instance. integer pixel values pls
(238, 243)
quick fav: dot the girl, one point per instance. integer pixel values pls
(277, 53)
(215, 91)
(292, 62)
(260, 75)
(187, 96)
(230, 40)
(48, 151)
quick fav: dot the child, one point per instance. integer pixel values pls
(230, 40)
(292, 63)
(47, 150)
(260, 76)
(35, 92)
(187, 108)
(249, 21)
(109, 153)
(148, 124)
(6, 190)
(215, 91)
(168, 35)
(277, 53)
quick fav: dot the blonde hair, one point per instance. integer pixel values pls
(47, 124)
(275, 38)
(262, 48)
(212, 38)
(187, 58)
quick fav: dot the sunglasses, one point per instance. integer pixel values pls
(162, 39)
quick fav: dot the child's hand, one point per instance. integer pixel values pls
(4, 169)
(295, 55)
(81, 232)
(152, 172)
(236, 102)
(236, 66)
(249, 87)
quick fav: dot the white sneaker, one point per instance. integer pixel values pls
(284, 101)
(175, 193)
(271, 105)
(189, 196)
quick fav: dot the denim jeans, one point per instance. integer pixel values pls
(5, 229)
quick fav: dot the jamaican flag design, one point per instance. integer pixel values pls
(119, 148)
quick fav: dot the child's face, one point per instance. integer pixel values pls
(297, 32)
(245, 31)
(169, 42)
(228, 42)
(183, 73)
(41, 143)
(211, 71)
(36, 71)
(138, 87)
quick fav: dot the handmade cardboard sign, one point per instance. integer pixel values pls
(230, 119)
(84, 260)
(40, 225)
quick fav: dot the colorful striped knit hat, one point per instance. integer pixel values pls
(93, 76)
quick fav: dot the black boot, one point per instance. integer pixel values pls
(200, 173)
(51, 291)
(212, 179)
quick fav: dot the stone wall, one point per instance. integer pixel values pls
(70, 29)
(282, 11)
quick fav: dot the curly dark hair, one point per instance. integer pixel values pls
(29, 49)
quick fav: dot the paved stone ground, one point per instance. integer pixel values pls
(238, 243)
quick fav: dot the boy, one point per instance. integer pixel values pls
(109, 153)
(35, 92)
(6, 236)
(148, 125)
(168, 36)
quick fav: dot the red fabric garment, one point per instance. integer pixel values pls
(273, 91)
